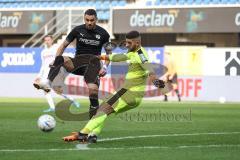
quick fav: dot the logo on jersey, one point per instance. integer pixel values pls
(89, 41)
(17, 59)
(82, 34)
(98, 36)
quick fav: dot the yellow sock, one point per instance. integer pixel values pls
(94, 123)
(97, 130)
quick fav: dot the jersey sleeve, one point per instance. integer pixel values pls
(106, 38)
(71, 36)
(143, 60)
(118, 57)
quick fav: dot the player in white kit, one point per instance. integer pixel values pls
(47, 56)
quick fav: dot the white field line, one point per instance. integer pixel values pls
(85, 146)
(167, 135)
(79, 148)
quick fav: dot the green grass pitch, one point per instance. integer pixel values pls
(154, 130)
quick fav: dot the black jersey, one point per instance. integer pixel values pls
(88, 41)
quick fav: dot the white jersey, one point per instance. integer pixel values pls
(47, 56)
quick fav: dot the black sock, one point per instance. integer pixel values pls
(58, 62)
(177, 92)
(94, 100)
(165, 97)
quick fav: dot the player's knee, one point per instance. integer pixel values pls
(106, 109)
(93, 89)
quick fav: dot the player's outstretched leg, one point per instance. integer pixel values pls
(93, 98)
(93, 126)
(92, 137)
(178, 95)
(50, 103)
(42, 85)
(74, 102)
(76, 136)
(165, 98)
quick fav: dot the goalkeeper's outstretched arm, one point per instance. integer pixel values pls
(114, 57)
(157, 82)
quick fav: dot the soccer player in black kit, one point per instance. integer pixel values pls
(90, 39)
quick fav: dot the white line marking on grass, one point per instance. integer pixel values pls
(38, 150)
(166, 135)
(85, 146)
(161, 147)
(80, 148)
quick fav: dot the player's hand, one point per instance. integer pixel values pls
(51, 64)
(103, 71)
(103, 57)
(159, 83)
(170, 78)
(37, 80)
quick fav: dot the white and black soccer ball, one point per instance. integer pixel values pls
(46, 123)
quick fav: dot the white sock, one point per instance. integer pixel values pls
(50, 100)
(67, 97)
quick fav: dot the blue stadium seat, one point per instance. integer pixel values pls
(181, 2)
(7, 5)
(98, 5)
(190, 2)
(114, 3)
(83, 3)
(233, 1)
(164, 2)
(173, 2)
(198, 2)
(206, 1)
(122, 3)
(149, 3)
(105, 5)
(106, 15)
(157, 2)
(224, 1)
(215, 1)
(90, 3)
(59, 4)
(100, 15)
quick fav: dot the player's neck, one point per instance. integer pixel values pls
(139, 47)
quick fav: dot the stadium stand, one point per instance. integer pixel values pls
(189, 2)
(103, 7)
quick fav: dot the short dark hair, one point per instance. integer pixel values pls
(91, 12)
(48, 35)
(132, 35)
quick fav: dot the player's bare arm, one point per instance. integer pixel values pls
(62, 47)
(103, 70)
(67, 61)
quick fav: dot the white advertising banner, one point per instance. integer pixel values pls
(221, 61)
(216, 76)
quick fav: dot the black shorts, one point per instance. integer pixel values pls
(87, 66)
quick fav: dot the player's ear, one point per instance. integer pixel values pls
(138, 42)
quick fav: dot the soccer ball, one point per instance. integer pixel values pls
(46, 123)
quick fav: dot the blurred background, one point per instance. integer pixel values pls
(201, 35)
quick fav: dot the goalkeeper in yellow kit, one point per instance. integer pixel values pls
(131, 93)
